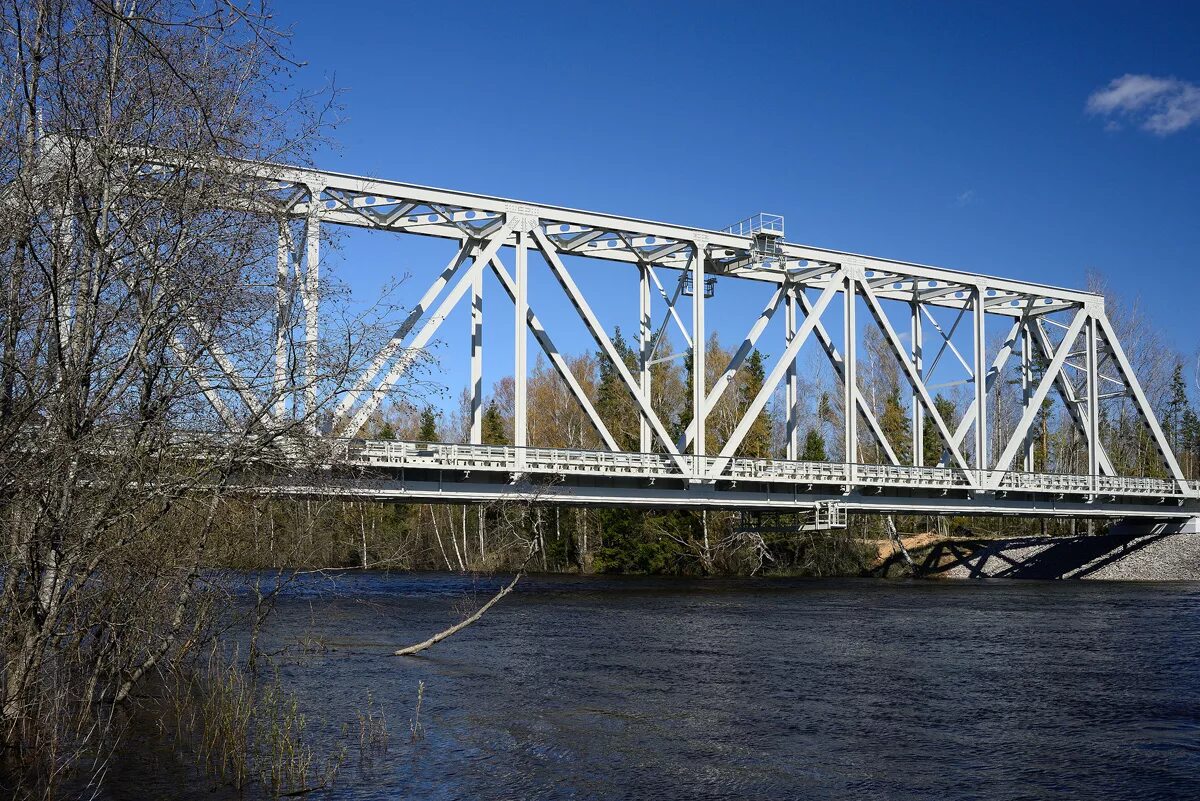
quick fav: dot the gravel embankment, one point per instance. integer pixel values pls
(1112, 556)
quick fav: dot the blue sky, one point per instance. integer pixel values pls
(950, 134)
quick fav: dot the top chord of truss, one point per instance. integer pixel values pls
(343, 199)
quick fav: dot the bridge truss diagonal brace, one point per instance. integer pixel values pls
(206, 387)
(1143, 405)
(839, 367)
(915, 381)
(1017, 438)
(1066, 392)
(776, 375)
(462, 283)
(735, 363)
(389, 349)
(947, 339)
(598, 333)
(218, 354)
(671, 313)
(555, 356)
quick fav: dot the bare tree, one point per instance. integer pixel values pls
(139, 305)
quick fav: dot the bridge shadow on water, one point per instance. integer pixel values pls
(1029, 557)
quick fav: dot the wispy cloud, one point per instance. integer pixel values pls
(1162, 106)
(965, 198)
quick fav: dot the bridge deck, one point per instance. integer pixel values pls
(418, 471)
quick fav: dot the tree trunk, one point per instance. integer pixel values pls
(437, 534)
(457, 627)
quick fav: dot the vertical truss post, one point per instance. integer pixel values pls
(555, 357)
(1068, 395)
(918, 412)
(850, 383)
(283, 302)
(310, 289)
(839, 367)
(699, 381)
(645, 333)
(1093, 403)
(790, 395)
(1027, 389)
(981, 383)
(477, 358)
(520, 371)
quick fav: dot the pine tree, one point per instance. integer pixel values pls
(493, 426)
(386, 431)
(814, 447)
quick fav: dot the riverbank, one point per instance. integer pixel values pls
(1114, 557)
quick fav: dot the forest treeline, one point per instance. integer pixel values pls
(465, 538)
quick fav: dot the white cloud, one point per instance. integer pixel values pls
(1162, 106)
(965, 198)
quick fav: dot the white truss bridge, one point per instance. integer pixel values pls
(936, 324)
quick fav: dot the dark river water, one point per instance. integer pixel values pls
(772, 689)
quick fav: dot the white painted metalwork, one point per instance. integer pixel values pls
(861, 485)
(807, 280)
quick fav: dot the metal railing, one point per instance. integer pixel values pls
(562, 461)
(761, 223)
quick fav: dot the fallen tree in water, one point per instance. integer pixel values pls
(510, 517)
(462, 624)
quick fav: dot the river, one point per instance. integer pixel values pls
(580, 688)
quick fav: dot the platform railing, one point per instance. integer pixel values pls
(566, 461)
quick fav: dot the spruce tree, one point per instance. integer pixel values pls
(1177, 409)
(814, 447)
(896, 425)
(930, 438)
(757, 443)
(493, 426)
(614, 404)
(428, 431)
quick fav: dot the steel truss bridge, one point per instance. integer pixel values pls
(1061, 342)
